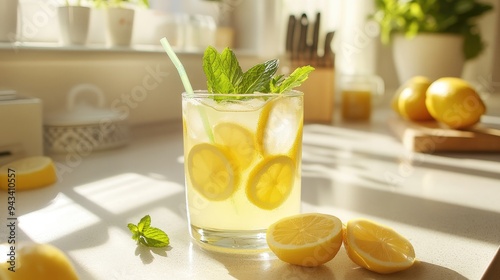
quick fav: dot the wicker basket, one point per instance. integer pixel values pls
(84, 128)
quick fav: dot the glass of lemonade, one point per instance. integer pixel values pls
(242, 155)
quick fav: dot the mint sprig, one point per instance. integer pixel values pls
(224, 75)
(148, 236)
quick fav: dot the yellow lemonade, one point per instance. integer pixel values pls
(242, 164)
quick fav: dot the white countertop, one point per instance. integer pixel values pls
(447, 205)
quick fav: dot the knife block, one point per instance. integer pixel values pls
(319, 98)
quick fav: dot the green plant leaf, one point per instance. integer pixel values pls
(473, 45)
(411, 17)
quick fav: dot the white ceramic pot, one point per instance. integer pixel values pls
(431, 55)
(120, 23)
(74, 24)
(8, 16)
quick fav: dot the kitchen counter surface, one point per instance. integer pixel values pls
(447, 205)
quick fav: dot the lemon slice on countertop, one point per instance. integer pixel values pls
(28, 173)
(306, 239)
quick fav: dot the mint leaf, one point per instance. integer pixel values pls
(135, 231)
(144, 224)
(257, 78)
(276, 80)
(294, 80)
(156, 237)
(149, 236)
(222, 70)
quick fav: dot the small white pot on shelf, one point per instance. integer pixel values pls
(74, 24)
(120, 23)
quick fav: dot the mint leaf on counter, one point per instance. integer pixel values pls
(148, 236)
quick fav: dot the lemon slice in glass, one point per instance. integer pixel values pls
(306, 239)
(28, 173)
(239, 141)
(211, 173)
(377, 247)
(280, 126)
(271, 181)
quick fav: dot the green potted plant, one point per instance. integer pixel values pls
(74, 20)
(450, 24)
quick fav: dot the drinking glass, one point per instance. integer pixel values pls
(242, 159)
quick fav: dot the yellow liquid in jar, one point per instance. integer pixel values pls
(356, 104)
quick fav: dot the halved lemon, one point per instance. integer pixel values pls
(28, 173)
(210, 171)
(280, 126)
(36, 261)
(376, 247)
(306, 239)
(271, 181)
(239, 141)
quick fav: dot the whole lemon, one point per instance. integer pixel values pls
(409, 100)
(454, 102)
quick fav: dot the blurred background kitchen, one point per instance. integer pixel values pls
(138, 81)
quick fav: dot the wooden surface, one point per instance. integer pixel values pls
(430, 137)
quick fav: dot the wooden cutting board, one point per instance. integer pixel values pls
(430, 137)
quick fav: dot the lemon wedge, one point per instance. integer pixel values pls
(36, 261)
(211, 172)
(271, 181)
(377, 247)
(28, 173)
(239, 141)
(309, 240)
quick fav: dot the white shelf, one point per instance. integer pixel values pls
(53, 46)
(136, 48)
